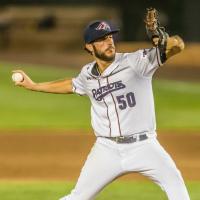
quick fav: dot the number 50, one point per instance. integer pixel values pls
(124, 100)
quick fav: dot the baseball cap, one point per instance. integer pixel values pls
(96, 30)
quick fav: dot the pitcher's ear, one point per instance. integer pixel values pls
(89, 48)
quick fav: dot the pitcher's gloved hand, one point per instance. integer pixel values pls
(155, 32)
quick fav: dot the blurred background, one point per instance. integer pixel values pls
(45, 138)
(49, 32)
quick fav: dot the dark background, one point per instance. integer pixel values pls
(180, 16)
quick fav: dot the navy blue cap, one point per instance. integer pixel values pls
(96, 30)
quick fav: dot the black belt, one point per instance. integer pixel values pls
(128, 139)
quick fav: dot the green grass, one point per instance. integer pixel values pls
(25, 109)
(115, 191)
(177, 103)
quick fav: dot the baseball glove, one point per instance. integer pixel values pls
(155, 32)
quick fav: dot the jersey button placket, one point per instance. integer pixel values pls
(114, 105)
(101, 83)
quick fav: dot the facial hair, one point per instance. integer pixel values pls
(103, 56)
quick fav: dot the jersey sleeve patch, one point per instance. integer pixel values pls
(145, 61)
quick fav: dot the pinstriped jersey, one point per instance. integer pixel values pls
(121, 97)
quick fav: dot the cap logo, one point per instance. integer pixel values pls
(103, 26)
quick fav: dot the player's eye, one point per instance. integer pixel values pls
(100, 39)
(108, 37)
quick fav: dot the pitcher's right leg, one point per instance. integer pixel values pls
(101, 167)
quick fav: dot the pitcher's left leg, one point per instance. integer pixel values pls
(162, 170)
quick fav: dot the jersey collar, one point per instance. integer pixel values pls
(108, 71)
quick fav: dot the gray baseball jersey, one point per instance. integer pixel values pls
(121, 97)
(122, 104)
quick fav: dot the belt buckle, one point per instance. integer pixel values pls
(119, 139)
(130, 139)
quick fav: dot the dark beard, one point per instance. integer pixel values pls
(103, 56)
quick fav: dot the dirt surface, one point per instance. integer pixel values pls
(75, 60)
(60, 156)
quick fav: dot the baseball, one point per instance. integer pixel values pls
(17, 77)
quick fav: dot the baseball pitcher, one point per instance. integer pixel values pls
(119, 86)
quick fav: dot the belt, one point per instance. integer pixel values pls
(128, 139)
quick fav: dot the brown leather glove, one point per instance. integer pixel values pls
(155, 32)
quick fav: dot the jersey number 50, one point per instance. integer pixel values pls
(124, 100)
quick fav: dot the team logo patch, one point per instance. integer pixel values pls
(101, 92)
(103, 26)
